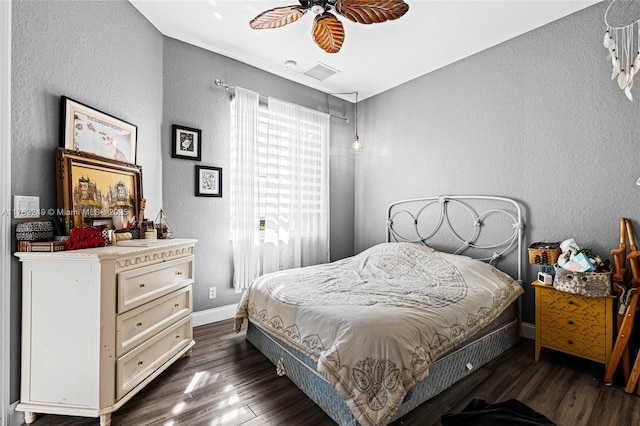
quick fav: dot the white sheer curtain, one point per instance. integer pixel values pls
(245, 214)
(279, 175)
(296, 188)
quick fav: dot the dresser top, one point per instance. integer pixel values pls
(130, 248)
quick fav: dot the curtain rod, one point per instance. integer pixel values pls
(228, 86)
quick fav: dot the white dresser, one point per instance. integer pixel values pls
(99, 324)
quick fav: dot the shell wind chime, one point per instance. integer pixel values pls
(623, 41)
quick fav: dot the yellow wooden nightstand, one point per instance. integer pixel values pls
(577, 325)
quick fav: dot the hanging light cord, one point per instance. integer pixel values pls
(355, 116)
(357, 145)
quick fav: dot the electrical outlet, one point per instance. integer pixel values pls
(212, 292)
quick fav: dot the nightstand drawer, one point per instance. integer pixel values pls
(571, 324)
(142, 285)
(566, 302)
(135, 326)
(594, 323)
(576, 344)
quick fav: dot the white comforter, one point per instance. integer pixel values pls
(376, 321)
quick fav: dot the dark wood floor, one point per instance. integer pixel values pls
(227, 381)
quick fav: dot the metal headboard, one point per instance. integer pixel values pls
(468, 222)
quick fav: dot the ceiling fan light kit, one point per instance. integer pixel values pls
(328, 31)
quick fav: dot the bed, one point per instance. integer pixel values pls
(371, 337)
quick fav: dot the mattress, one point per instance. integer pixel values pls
(373, 324)
(494, 339)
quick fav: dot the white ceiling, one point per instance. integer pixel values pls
(373, 58)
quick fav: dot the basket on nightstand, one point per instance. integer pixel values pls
(544, 253)
(587, 284)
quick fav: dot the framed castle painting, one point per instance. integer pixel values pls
(94, 188)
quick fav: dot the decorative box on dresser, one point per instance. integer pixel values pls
(574, 324)
(100, 324)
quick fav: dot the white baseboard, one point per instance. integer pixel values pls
(15, 418)
(214, 315)
(529, 331)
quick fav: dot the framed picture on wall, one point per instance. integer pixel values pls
(86, 129)
(208, 181)
(186, 143)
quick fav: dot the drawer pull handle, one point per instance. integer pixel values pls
(570, 342)
(570, 322)
(177, 336)
(140, 362)
(179, 273)
(177, 305)
(141, 285)
(139, 325)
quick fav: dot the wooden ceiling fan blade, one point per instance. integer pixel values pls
(277, 17)
(328, 32)
(371, 11)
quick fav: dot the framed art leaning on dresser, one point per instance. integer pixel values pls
(92, 187)
(86, 129)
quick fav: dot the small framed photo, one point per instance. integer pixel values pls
(208, 181)
(186, 143)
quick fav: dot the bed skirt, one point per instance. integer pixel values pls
(442, 373)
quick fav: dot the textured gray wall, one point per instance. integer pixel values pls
(104, 54)
(192, 99)
(536, 118)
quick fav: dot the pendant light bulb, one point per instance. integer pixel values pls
(356, 145)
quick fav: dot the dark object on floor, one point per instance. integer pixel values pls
(508, 413)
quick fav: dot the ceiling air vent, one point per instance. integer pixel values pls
(320, 71)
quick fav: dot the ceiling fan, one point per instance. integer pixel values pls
(328, 32)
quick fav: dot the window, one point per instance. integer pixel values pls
(279, 186)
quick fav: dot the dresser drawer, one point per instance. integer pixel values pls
(142, 285)
(137, 325)
(137, 365)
